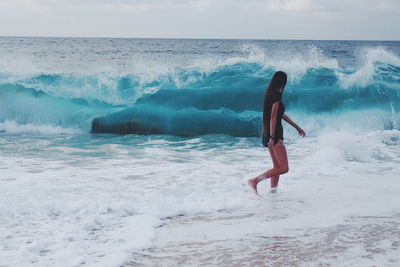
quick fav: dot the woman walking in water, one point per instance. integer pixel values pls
(273, 113)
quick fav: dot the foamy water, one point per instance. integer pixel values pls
(74, 200)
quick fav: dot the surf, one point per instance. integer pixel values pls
(199, 99)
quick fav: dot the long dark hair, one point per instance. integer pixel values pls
(277, 82)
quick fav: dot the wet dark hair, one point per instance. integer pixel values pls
(277, 82)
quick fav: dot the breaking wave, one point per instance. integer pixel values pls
(198, 99)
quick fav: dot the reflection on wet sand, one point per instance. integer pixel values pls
(360, 240)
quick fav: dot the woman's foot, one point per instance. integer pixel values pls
(273, 190)
(253, 184)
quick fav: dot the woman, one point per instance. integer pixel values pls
(273, 113)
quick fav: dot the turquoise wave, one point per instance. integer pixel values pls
(190, 101)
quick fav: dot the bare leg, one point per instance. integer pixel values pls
(274, 179)
(282, 161)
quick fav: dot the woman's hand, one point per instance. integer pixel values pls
(271, 142)
(292, 123)
(301, 132)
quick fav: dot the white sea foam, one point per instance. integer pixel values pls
(296, 64)
(369, 69)
(85, 202)
(12, 127)
(63, 210)
(149, 73)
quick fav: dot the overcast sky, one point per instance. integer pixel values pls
(249, 19)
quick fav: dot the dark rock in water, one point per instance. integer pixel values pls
(123, 128)
(149, 119)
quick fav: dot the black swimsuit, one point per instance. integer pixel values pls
(276, 97)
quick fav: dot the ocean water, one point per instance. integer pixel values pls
(135, 152)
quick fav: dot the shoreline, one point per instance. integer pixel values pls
(224, 239)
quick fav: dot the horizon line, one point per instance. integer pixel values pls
(196, 38)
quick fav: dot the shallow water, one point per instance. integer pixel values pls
(208, 241)
(107, 195)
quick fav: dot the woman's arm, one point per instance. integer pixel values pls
(272, 122)
(292, 123)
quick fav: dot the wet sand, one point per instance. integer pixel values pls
(226, 239)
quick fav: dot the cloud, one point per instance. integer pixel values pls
(292, 5)
(298, 19)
